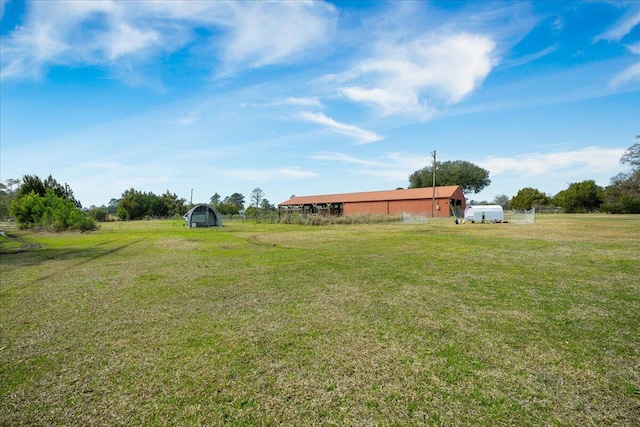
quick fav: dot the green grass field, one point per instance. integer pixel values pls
(150, 323)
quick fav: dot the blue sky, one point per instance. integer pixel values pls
(314, 97)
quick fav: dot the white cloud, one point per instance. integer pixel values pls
(627, 75)
(296, 173)
(2, 3)
(396, 167)
(622, 27)
(389, 101)
(303, 101)
(392, 167)
(260, 175)
(265, 33)
(407, 76)
(190, 118)
(246, 34)
(344, 158)
(634, 48)
(531, 57)
(311, 102)
(127, 40)
(361, 136)
(596, 160)
(630, 73)
(616, 33)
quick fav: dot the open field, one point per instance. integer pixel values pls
(150, 323)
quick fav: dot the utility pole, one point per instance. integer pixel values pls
(433, 198)
(191, 202)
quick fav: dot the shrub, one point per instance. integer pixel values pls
(51, 212)
(99, 214)
(624, 205)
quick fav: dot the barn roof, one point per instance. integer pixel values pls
(373, 196)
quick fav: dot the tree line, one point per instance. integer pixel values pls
(234, 204)
(34, 202)
(622, 196)
(134, 204)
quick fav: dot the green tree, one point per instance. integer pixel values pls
(470, 177)
(236, 199)
(7, 186)
(131, 205)
(7, 194)
(171, 205)
(32, 183)
(136, 205)
(585, 196)
(215, 199)
(123, 214)
(226, 208)
(99, 214)
(527, 198)
(51, 212)
(252, 212)
(112, 207)
(266, 205)
(623, 194)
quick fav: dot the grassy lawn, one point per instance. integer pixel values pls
(150, 323)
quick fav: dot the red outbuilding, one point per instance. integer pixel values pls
(449, 201)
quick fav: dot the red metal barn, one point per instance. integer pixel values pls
(449, 201)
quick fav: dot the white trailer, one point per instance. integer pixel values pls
(484, 213)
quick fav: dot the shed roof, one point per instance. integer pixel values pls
(371, 196)
(203, 215)
(485, 207)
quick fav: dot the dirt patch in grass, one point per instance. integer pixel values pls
(178, 243)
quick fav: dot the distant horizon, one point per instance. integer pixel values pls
(314, 97)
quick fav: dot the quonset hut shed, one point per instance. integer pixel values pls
(203, 216)
(483, 213)
(449, 201)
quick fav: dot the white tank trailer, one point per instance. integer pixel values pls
(484, 213)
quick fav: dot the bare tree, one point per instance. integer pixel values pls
(256, 197)
(502, 200)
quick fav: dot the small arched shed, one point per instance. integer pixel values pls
(203, 216)
(483, 213)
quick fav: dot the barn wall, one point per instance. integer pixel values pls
(459, 195)
(421, 207)
(391, 207)
(376, 208)
(415, 207)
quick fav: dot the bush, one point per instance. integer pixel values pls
(527, 198)
(580, 197)
(99, 214)
(625, 205)
(51, 212)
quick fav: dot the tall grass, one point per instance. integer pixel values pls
(150, 323)
(296, 218)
